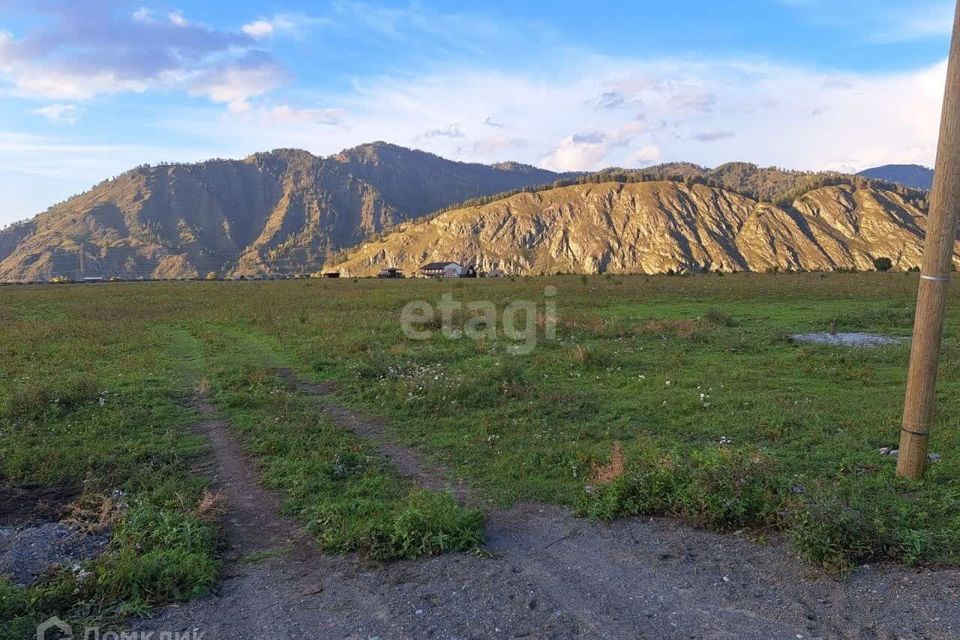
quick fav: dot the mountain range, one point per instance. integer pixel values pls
(278, 212)
(377, 205)
(914, 176)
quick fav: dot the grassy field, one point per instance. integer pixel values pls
(660, 395)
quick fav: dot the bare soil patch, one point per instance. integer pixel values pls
(21, 505)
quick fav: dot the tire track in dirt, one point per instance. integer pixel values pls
(252, 522)
(253, 596)
(293, 591)
(408, 462)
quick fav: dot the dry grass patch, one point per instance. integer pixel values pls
(96, 512)
(607, 473)
(676, 328)
(211, 506)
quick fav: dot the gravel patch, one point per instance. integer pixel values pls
(29, 551)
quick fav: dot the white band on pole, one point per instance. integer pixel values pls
(936, 278)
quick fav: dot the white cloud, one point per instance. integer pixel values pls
(61, 113)
(592, 149)
(79, 57)
(497, 146)
(713, 135)
(644, 156)
(235, 85)
(284, 23)
(35, 81)
(286, 113)
(177, 18)
(575, 153)
(259, 29)
(450, 131)
(754, 111)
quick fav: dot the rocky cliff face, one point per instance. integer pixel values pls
(655, 227)
(283, 211)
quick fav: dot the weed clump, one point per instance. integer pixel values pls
(718, 318)
(719, 488)
(157, 555)
(378, 364)
(851, 524)
(596, 356)
(429, 523)
(722, 488)
(837, 535)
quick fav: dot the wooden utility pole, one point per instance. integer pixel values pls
(934, 277)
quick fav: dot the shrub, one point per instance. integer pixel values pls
(882, 264)
(648, 490)
(14, 602)
(729, 488)
(431, 523)
(835, 535)
(851, 524)
(422, 523)
(718, 318)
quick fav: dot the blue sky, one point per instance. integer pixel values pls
(89, 88)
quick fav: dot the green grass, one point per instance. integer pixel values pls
(785, 436)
